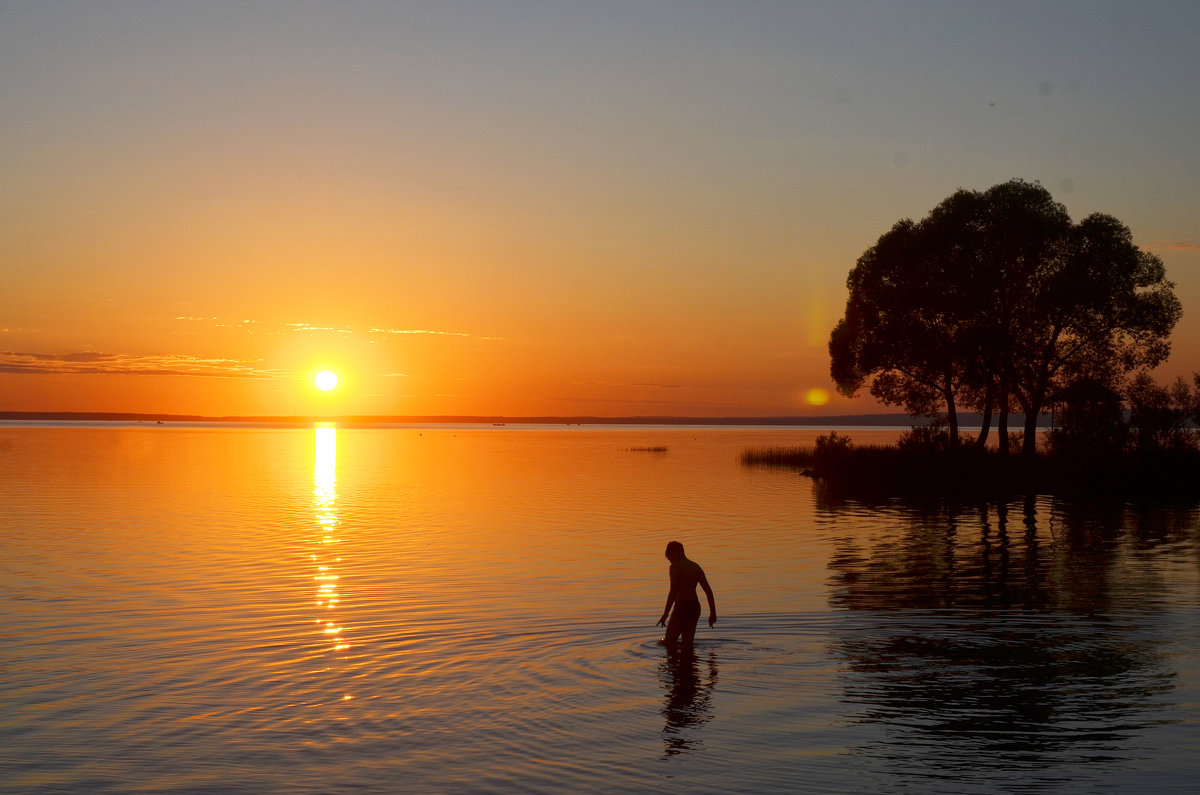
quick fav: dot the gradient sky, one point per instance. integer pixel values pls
(529, 208)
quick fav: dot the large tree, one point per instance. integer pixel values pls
(916, 359)
(995, 299)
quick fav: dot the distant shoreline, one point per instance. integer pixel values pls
(966, 421)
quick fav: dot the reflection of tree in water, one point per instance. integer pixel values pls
(1001, 637)
(961, 693)
(1036, 554)
(689, 698)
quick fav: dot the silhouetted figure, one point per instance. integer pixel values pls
(685, 576)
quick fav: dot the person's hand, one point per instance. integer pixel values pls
(662, 622)
(712, 619)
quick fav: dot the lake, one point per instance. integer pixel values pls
(472, 609)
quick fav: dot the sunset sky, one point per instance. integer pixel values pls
(535, 208)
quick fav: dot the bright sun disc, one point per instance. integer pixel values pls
(816, 397)
(325, 380)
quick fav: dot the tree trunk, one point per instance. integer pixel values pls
(951, 416)
(1032, 410)
(1002, 423)
(986, 422)
(1029, 446)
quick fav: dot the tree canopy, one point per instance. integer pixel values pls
(995, 300)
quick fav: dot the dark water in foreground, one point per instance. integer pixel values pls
(472, 610)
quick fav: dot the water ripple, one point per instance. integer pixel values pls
(474, 611)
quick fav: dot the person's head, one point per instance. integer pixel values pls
(674, 551)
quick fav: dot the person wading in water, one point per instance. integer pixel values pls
(685, 576)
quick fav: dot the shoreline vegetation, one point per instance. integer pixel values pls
(924, 465)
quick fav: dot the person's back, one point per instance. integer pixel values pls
(685, 575)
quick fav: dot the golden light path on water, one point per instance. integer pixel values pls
(326, 558)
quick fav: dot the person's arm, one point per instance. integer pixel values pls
(712, 602)
(662, 622)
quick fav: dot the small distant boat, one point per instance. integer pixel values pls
(497, 424)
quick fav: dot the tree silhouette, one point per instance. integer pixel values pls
(903, 329)
(995, 300)
(1159, 416)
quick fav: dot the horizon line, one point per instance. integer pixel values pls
(875, 418)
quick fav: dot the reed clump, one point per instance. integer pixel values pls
(797, 457)
(828, 448)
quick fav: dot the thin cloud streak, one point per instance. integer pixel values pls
(638, 402)
(627, 384)
(1184, 245)
(309, 328)
(418, 331)
(96, 363)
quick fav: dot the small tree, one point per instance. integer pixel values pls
(1159, 417)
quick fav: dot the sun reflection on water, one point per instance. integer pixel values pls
(325, 503)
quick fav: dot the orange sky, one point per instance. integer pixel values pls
(531, 209)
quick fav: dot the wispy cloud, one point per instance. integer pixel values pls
(629, 384)
(634, 402)
(261, 327)
(95, 363)
(418, 331)
(1180, 245)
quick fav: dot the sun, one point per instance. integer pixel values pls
(325, 380)
(816, 396)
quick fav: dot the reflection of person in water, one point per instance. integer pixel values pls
(685, 576)
(689, 699)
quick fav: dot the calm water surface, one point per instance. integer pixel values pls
(466, 609)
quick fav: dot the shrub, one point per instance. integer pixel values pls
(1159, 417)
(831, 447)
(925, 439)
